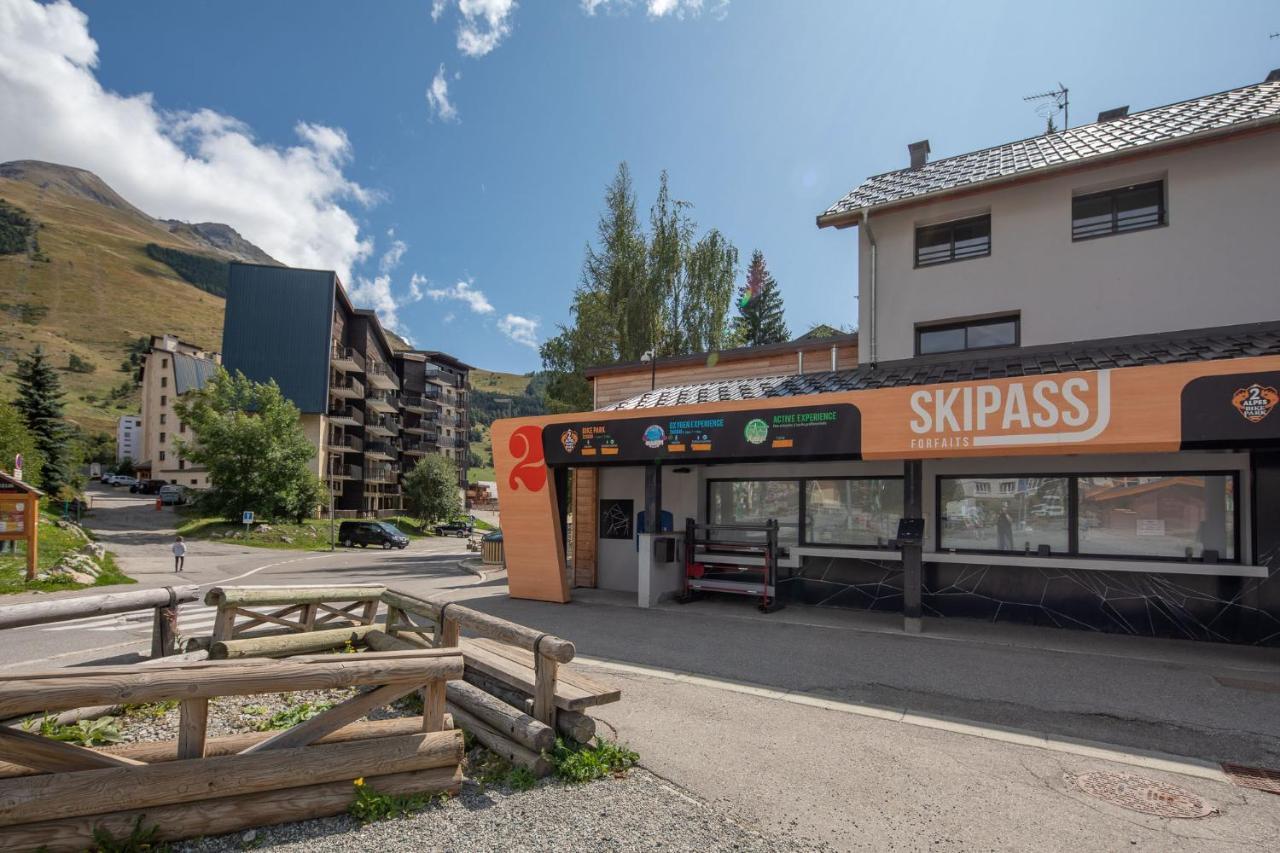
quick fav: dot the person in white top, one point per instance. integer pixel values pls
(179, 552)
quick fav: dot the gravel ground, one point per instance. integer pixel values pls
(637, 812)
(233, 714)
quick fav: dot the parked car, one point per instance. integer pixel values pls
(147, 487)
(123, 480)
(172, 495)
(460, 527)
(366, 533)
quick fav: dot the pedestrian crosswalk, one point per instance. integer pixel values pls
(193, 620)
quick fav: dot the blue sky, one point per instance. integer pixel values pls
(763, 112)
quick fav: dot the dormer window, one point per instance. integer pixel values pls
(959, 240)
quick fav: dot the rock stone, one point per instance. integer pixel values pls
(96, 550)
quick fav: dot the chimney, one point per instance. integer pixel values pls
(919, 154)
(1113, 114)
(1273, 77)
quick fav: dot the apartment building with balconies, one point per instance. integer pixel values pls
(371, 410)
(448, 382)
(170, 369)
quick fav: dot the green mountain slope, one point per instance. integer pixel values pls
(498, 395)
(91, 290)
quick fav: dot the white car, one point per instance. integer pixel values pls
(123, 480)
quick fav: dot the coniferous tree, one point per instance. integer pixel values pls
(40, 402)
(760, 314)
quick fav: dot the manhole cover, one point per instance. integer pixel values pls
(1259, 778)
(1143, 795)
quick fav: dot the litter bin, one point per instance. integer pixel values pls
(491, 549)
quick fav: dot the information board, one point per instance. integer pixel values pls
(749, 436)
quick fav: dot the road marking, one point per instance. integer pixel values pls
(1148, 759)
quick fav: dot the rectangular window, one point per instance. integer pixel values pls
(182, 464)
(861, 511)
(164, 381)
(755, 502)
(164, 401)
(182, 427)
(1013, 514)
(1131, 208)
(968, 335)
(953, 241)
(1174, 516)
(162, 417)
(161, 455)
(162, 438)
(1154, 516)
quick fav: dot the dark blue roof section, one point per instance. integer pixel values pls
(191, 373)
(277, 327)
(1251, 339)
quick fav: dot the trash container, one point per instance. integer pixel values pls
(491, 549)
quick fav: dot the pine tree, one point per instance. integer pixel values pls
(40, 402)
(760, 320)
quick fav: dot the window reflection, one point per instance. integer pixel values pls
(1011, 514)
(852, 512)
(755, 502)
(1177, 516)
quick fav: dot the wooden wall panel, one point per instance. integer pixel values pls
(586, 526)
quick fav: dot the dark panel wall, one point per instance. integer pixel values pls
(277, 327)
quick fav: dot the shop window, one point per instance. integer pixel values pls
(1131, 208)
(862, 511)
(755, 502)
(953, 241)
(1013, 514)
(933, 338)
(1174, 516)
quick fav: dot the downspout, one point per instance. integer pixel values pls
(871, 295)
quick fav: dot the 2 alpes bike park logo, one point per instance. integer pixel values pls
(1255, 402)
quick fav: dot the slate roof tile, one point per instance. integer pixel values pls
(1161, 124)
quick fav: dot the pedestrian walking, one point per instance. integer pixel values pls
(179, 554)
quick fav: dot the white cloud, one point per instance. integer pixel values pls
(660, 8)
(391, 257)
(482, 25)
(197, 166)
(438, 97)
(415, 287)
(448, 318)
(376, 293)
(463, 291)
(522, 330)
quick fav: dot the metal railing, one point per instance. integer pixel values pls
(347, 386)
(346, 413)
(346, 355)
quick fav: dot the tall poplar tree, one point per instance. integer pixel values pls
(40, 402)
(760, 315)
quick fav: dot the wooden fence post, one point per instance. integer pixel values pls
(164, 631)
(308, 619)
(544, 696)
(193, 723)
(394, 616)
(433, 706)
(224, 625)
(370, 612)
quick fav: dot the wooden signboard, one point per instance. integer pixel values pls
(20, 516)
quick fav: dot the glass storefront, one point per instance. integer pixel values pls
(1014, 514)
(854, 512)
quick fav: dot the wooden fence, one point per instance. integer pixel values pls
(53, 795)
(517, 694)
(164, 601)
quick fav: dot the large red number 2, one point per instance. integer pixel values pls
(525, 445)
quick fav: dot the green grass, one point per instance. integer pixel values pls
(54, 542)
(577, 763)
(311, 535)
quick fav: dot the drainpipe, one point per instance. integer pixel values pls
(834, 358)
(800, 362)
(871, 295)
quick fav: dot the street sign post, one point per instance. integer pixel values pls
(247, 518)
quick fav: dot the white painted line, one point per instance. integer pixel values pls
(1148, 759)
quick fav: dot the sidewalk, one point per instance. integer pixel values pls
(837, 727)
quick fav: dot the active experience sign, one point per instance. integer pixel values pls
(748, 435)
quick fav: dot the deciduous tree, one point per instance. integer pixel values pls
(431, 489)
(16, 439)
(249, 438)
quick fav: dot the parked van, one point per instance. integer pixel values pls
(366, 533)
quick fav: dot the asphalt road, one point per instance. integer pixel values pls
(140, 537)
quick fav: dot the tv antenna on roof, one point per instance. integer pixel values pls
(1052, 102)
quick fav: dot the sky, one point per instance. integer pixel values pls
(449, 157)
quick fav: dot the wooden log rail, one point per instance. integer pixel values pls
(163, 600)
(298, 609)
(189, 788)
(549, 650)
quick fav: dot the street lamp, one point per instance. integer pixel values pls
(650, 358)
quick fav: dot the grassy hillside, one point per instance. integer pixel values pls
(497, 395)
(96, 293)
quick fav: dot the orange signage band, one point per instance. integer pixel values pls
(1148, 409)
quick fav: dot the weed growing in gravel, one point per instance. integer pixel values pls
(370, 806)
(154, 710)
(582, 763)
(411, 702)
(521, 779)
(99, 732)
(142, 839)
(293, 715)
(254, 710)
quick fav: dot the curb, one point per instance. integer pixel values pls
(474, 566)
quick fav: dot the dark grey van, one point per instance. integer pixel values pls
(366, 533)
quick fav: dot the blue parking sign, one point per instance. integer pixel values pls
(246, 517)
